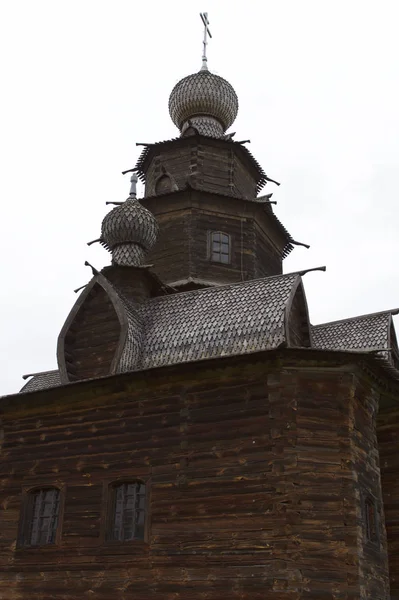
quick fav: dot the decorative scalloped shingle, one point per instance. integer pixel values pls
(227, 320)
(218, 321)
(129, 223)
(203, 93)
(204, 126)
(41, 381)
(368, 332)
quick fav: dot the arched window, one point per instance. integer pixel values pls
(127, 511)
(220, 247)
(40, 518)
(163, 184)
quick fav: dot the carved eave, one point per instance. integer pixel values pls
(152, 203)
(93, 337)
(150, 151)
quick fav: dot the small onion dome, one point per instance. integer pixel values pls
(128, 231)
(203, 94)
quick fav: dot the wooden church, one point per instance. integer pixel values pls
(200, 439)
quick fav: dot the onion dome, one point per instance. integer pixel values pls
(204, 101)
(129, 231)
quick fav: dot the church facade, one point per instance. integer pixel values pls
(200, 439)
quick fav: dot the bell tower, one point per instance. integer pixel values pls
(203, 188)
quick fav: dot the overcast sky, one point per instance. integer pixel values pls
(83, 80)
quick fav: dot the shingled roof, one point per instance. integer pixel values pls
(41, 381)
(371, 332)
(228, 320)
(220, 321)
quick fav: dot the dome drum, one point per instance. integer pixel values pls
(128, 255)
(204, 125)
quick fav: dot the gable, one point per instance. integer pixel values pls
(298, 327)
(93, 336)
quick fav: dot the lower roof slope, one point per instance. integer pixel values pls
(200, 324)
(371, 332)
(218, 321)
(227, 320)
(41, 381)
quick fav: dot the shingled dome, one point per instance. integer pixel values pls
(129, 230)
(203, 100)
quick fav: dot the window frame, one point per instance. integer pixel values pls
(211, 251)
(109, 503)
(370, 537)
(26, 514)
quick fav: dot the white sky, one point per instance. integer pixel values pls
(83, 80)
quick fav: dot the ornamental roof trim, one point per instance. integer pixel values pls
(141, 169)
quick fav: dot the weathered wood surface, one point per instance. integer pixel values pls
(253, 469)
(182, 248)
(388, 436)
(298, 321)
(268, 254)
(211, 165)
(373, 557)
(171, 253)
(92, 338)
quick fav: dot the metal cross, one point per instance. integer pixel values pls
(204, 18)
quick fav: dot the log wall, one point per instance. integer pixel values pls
(171, 253)
(388, 436)
(253, 469)
(373, 555)
(242, 256)
(92, 338)
(186, 220)
(269, 261)
(210, 165)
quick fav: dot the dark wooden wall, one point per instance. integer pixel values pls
(210, 165)
(253, 468)
(268, 254)
(170, 256)
(179, 163)
(186, 219)
(388, 437)
(298, 321)
(373, 556)
(243, 180)
(92, 338)
(241, 231)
